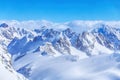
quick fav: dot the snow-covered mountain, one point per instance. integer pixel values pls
(7, 34)
(7, 71)
(46, 52)
(65, 42)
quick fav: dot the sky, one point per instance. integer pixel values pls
(60, 10)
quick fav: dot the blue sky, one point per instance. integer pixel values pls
(60, 10)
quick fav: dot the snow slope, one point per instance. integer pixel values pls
(6, 69)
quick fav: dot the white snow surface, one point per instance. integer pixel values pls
(6, 70)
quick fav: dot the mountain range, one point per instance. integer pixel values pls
(43, 50)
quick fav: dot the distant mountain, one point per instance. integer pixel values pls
(63, 42)
(4, 25)
(39, 53)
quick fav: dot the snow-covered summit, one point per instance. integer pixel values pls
(4, 25)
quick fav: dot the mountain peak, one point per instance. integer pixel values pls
(4, 25)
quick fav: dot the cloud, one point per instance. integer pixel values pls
(76, 25)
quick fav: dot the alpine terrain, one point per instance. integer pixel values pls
(43, 50)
